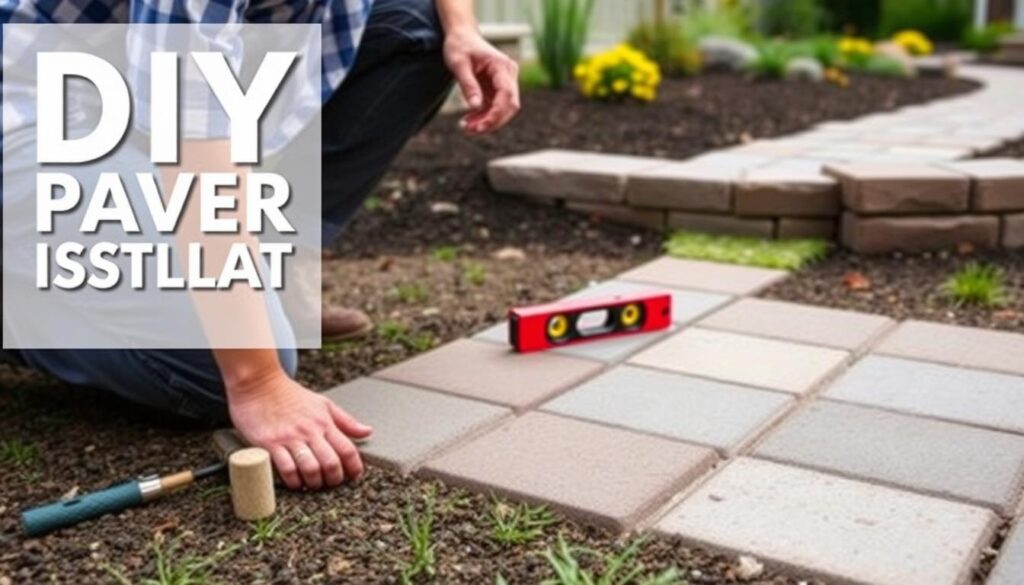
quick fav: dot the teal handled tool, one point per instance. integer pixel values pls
(44, 519)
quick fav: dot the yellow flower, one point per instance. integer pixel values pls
(914, 42)
(620, 85)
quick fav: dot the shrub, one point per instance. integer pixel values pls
(826, 51)
(913, 42)
(619, 74)
(793, 18)
(560, 35)
(728, 19)
(771, 60)
(986, 40)
(939, 19)
(667, 45)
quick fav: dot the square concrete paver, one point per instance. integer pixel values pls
(841, 529)
(700, 411)
(754, 361)
(958, 394)
(610, 350)
(410, 424)
(846, 330)
(706, 276)
(1009, 569)
(944, 459)
(601, 475)
(491, 372)
(959, 346)
(687, 305)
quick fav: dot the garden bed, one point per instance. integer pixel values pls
(427, 273)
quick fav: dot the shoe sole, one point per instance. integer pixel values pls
(362, 332)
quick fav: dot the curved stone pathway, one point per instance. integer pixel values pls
(886, 181)
(828, 442)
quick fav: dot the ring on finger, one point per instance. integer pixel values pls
(303, 453)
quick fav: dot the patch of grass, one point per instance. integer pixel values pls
(277, 527)
(214, 492)
(411, 293)
(475, 273)
(616, 569)
(17, 453)
(981, 285)
(395, 332)
(518, 524)
(783, 254)
(418, 530)
(170, 569)
(340, 346)
(445, 253)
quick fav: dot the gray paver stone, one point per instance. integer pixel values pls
(409, 423)
(779, 191)
(604, 350)
(943, 459)
(1009, 569)
(687, 305)
(682, 185)
(873, 235)
(870, 187)
(695, 410)
(997, 184)
(844, 530)
(971, 347)
(602, 475)
(705, 276)
(491, 372)
(972, 396)
(566, 174)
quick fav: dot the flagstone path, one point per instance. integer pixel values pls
(832, 443)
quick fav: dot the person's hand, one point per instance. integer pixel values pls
(488, 78)
(309, 438)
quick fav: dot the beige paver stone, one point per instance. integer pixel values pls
(625, 214)
(841, 529)
(970, 347)
(722, 224)
(705, 276)
(872, 235)
(409, 423)
(977, 145)
(683, 185)
(1013, 231)
(601, 475)
(776, 191)
(805, 227)
(997, 184)
(766, 363)
(931, 153)
(566, 174)
(846, 330)
(904, 188)
(492, 372)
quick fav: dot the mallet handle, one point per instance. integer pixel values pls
(39, 521)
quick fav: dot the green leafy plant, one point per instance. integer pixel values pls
(411, 293)
(619, 569)
(277, 527)
(372, 203)
(417, 528)
(171, 570)
(395, 332)
(882, 65)
(532, 75)
(943, 20)
(475, 273)
(560, 35)
(17, 453)
(727, 19)
(793, 18)
(782, 254)
(977, 284)
(825, 50)
(518, 524)
(445, 253)
(771, 61)
(987, 39)
(667, 44)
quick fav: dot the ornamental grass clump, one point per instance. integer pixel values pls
(559, 37)
(619, 74)
(977, 284)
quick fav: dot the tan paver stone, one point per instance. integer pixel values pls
(601, 475)
(410, 424)
(978, 145)
(705, 276)
(873, 235)
(1009, 569)
(695, 410)
(931, 153)
(997, 184)
(969, 347)
(722, 224)
(846, 330)
(648, 218)
(582, 176)
(776, 191)
(742, 359)
(1013, 231)
(841, 529)
(803, 227)
(870, 187)
(492, 372)
(682, 185)
(977, 466)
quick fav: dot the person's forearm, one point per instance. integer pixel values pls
(456, 15)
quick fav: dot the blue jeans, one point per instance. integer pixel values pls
(397, 84)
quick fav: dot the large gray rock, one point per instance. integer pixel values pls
(726, 53)
(804, 69)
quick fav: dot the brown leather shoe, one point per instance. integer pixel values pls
(340, 323)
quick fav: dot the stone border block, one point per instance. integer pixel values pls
(640, 217)
(905, 188)
(874, 235)
(803, 227)
(722, 224)
(997, 184)
(682, 185)
(771, 192)
(1013, 231)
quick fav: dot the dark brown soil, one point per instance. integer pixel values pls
(84, 440)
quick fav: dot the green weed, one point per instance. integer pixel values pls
(417, 528)
(782, 254)
(411, 293)
(559, 37)
(340, 346)
(475, 273)
(277, 527)
(17, 453)
(372, 203)
(618, 569)
(172, 570)
(977, 284)
(519, 524)
(395, 332)
(445, 253)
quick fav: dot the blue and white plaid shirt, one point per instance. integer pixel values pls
(342, 24)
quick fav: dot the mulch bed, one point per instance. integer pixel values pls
(386, 265)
